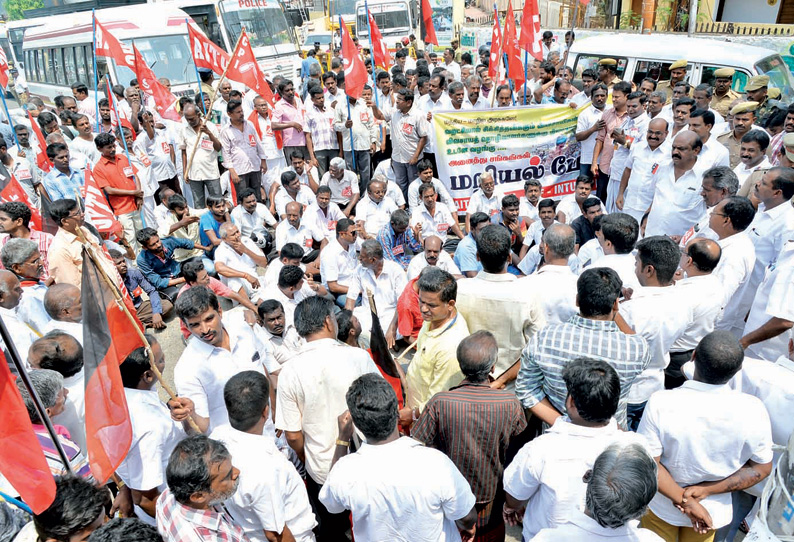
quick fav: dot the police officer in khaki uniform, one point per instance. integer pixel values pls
(757, 89)
(723, 96)
(744, 116)
(677, 74)
(607, 72)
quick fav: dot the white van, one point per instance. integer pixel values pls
(641, 56)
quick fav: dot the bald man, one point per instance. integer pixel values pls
(703, 291)
(10, 294)
(433, 256)
(64, 305)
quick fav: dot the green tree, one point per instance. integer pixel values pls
(16, 8)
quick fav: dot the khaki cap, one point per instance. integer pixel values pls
(788, 145)
(607, 62)
(744, 107)
(678, 64)
(757, 82)
(724, 73)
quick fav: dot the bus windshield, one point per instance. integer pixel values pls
(779, 75)
(167, 56)
(342, 7)
(264, 25)
(395, 20)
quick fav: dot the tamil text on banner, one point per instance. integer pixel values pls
(514, 144)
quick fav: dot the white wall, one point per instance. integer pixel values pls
(750, 11)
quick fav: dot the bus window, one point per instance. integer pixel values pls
(167, 56)
(69, 66)
(57, 63)
(46, 60)
(80, 70)
(264, 25)
(584, 62)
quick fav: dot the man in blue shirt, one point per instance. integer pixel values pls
(308, 61)
(150, 312)
(62, 182)
(210, 224)
(156, 260)
(398, 240)
(466, 253)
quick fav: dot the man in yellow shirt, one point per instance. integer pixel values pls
(435, 366)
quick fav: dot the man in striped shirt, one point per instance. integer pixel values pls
(452, 420)
(597, 332)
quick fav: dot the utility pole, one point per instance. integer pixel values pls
(693, 18)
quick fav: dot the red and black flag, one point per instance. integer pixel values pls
(379, 350)
(108, 338)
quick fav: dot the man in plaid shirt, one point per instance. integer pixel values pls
(395, 237)
(200, 478)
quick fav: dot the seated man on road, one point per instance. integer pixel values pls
(432, 256)
(157, 263)
(236, 260)
(293, 230)
(150, 311)
(292, 287)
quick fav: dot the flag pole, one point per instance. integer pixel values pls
(507, 73)
(212, 99)
(495, 84)
(120, 302)
(8, 115)
(96, 74)
(573, 23)
(198, 77)
(11, 348)
(349, 115)
(526, 64)
(374, 67)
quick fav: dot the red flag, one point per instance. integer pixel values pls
(515, 67)
(14, 192)
(278, 135)
(3, 69)
(97, 209)
(244, 69)
(355, 71)
(107, 341)
(496, 48)
(427, 20)
(22, 460)
(205, 53)
(380, 53)
(108, 46)
(41, 156)
(164, 101)
(530, 39)
(114, 121)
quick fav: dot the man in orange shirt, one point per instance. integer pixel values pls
(115, 176)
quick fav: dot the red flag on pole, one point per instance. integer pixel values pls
(41, 155)
(427, 23)
(515, 67)
(380, 53)
(244, 69)
(530, 39)
(205, 53)
(97, 210)
(114, 121)
(108, 46)
(22, 460)
(164, 101)
(3, 69)
(355, 71)
(107, 341)
(14, 192)
(495, 60)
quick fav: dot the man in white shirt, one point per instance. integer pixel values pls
(718, 184)
(620, 485)
(250, 215)
(449, 63)
(570, 207)
(729, 220)
(290, 190)
(633, 133)
(435, 100)
(588, 125)
(271, 499)
(546, 476)
(154, 433)
(724, 445)
(282, 341)
(432, 256)
(311, 396)
(528, 203)
(677, 204)
(384, 500)
(63, 305)
(293, 230)
(425, 169)
(753, 155)
(236, 261)
(386, 279)
(217, 350)
(474, 99)
(657, 313)
(340, 261)
(434, 218)
(292, 287)
(375, 208)
(323, 214)
(356, 117)
(203, 174)
(701, 289)
(484, 199)
(555, 279)
(636, 190)
(713, 152)
(617, 235)
(343, 184)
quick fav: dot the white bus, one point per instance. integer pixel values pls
(60, 52)
(16, 31)
(273, 39)
(395, 20)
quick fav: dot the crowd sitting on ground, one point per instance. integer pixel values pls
(613, 365)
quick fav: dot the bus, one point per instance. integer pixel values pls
(273, 39)
(395, 20)
(16, 31)
(60, 52)
(347, 10)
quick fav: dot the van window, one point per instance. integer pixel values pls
(655, 69)
(586, 62)
(739, 78)
(779, 75)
